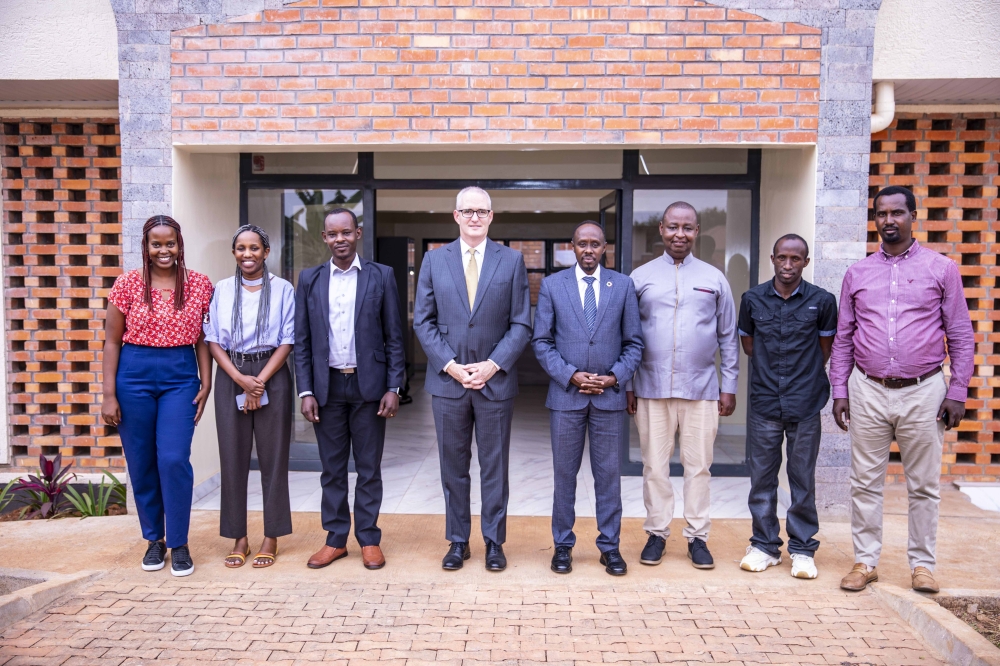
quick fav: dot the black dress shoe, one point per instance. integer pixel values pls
(457, 554)
(495, 559)
(562, 561)
(653, 551)
(613, 563)
(700, 557)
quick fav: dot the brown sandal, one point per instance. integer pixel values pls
(234, 555)
(267, 557)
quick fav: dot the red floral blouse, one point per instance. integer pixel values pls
(161, 325)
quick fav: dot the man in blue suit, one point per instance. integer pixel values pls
(349, 365)
(472, 315)
(588, 340)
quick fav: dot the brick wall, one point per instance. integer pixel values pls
(62, 251)
(327, 72)
(950, 163)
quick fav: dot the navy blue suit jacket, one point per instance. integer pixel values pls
(378, 332)
(564, 344)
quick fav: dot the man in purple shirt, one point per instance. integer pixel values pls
(902, 311)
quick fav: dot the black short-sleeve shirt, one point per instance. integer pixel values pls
(788, 380)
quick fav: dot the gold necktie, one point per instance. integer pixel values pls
(471, 277)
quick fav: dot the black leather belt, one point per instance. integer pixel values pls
(891, 383)
(255, 356)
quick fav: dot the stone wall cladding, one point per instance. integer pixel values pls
(62, 252)
(322, 71)
(949, 161)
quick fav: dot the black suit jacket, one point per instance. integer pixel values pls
(378, 332)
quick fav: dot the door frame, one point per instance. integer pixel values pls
(623, 189)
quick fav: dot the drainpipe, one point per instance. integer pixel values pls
(885, 105)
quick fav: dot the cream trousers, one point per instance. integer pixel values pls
(909, 415)
(694, 423)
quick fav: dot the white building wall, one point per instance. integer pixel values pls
(58, 39)
(937, 39)
(206, 203)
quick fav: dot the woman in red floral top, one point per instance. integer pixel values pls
(157, 377)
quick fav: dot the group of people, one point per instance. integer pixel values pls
(613, 346)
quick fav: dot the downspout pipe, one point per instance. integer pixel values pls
(885, 105)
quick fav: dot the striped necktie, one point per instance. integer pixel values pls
(590, 303)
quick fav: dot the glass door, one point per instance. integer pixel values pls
(293, 219)
(724, 241)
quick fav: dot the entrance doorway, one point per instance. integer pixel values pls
(405, 214)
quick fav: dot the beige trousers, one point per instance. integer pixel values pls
(878, 416)
(696, 422)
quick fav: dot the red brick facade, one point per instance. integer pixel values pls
(673, 71)
(950, 163)
(62, 250)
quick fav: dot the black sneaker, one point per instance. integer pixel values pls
(700, 557)
(181, 563)
(155, 556)
(653, 552)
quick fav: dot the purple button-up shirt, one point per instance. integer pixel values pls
(895, 313)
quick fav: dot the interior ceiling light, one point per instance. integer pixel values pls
(643, 163)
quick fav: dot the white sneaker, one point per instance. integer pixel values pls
(803, 566)
(758, 560)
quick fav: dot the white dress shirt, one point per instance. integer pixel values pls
(478, 251)
(343, 293)
(583, 285)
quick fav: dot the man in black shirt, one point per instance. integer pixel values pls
(786, 327)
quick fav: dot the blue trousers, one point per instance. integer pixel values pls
(568, 430)
(764, 440)
(156, 387)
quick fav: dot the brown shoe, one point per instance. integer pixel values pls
(325, 556)
(372, 557)
(859, 578)
(923, 580)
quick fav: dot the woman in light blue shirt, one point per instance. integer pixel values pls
(250, 331)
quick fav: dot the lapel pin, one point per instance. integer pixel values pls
(609, 283)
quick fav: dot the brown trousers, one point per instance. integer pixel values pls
(271, 428)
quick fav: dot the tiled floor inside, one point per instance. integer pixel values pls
(412, 481)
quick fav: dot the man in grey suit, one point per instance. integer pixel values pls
(472, 316)
(589, 341)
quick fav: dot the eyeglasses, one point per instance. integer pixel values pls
(467, 213)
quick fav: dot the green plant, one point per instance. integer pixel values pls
(93, 502)
(7, 494)
(117, 489)
(46, 491)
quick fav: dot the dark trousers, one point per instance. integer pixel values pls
(764, 439)
(455, 419)
(349, 423)
(271, 428)
(569, 429)
(156, 387)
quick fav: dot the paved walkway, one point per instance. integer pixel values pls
(120, 621)
(412, 612)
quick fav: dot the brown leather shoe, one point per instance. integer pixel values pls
(923, 580)
(372, 557)
(859, 578)
(325, 556)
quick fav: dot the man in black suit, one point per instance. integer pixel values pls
(349, 365)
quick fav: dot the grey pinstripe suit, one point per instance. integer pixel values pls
(497, 327)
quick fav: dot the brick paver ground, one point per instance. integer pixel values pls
(126, 620)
